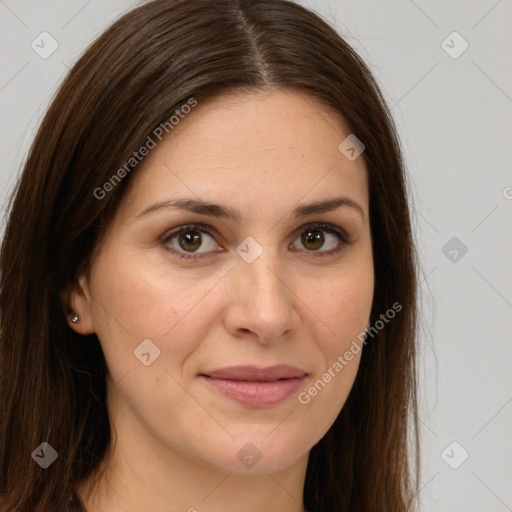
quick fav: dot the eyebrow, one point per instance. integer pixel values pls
(223, 212)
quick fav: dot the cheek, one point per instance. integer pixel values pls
(133, 291)
(136, 300)
(343, 303)
(343, 306)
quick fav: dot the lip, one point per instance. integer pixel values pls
(256, 387)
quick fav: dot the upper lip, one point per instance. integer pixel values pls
(252, 373)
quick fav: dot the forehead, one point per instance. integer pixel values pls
(250, 149)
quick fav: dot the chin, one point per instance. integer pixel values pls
(260, 452)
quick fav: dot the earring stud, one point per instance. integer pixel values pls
(75, 318)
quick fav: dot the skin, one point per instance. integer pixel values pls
(262, 153)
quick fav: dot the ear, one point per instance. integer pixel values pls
(77, 299)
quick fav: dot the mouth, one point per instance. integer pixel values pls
(256, 387)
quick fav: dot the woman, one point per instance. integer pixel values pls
(208, 276)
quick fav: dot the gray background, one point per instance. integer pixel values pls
(454, 117)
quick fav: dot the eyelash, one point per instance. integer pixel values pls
(345, 241)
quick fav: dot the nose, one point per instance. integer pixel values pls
(262, 304)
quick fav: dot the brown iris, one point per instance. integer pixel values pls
(309, 237)
(189, 238)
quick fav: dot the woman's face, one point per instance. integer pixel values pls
(260, 287)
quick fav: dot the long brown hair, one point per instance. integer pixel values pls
(129, 81)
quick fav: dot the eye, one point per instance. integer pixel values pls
(312, 238)
(189, 238)
(186, 240)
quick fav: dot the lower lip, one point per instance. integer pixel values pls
(256, 394)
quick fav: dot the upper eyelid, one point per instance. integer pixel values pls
(207, 228)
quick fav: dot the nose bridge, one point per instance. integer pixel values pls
(265, 276)
(264, 299)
